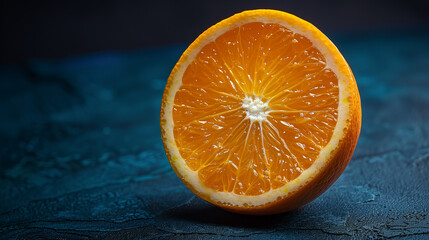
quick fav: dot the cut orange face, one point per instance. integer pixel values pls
(261, 114)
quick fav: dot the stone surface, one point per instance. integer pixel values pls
(82, 156)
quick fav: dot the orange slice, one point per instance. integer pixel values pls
(261, 114)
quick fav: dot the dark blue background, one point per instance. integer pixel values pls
(82, 156)
(57, 29)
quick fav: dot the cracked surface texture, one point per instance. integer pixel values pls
(82, 156)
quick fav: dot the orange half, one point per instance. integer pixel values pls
(261, 114)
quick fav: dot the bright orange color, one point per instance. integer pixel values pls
(302, 113)
(251, 105)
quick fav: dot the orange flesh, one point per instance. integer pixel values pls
(212, 130)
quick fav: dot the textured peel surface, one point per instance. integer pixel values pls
(255, 108)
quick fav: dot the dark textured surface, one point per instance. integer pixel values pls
(82, 156)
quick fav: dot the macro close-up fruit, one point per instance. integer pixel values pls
(261, 114)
